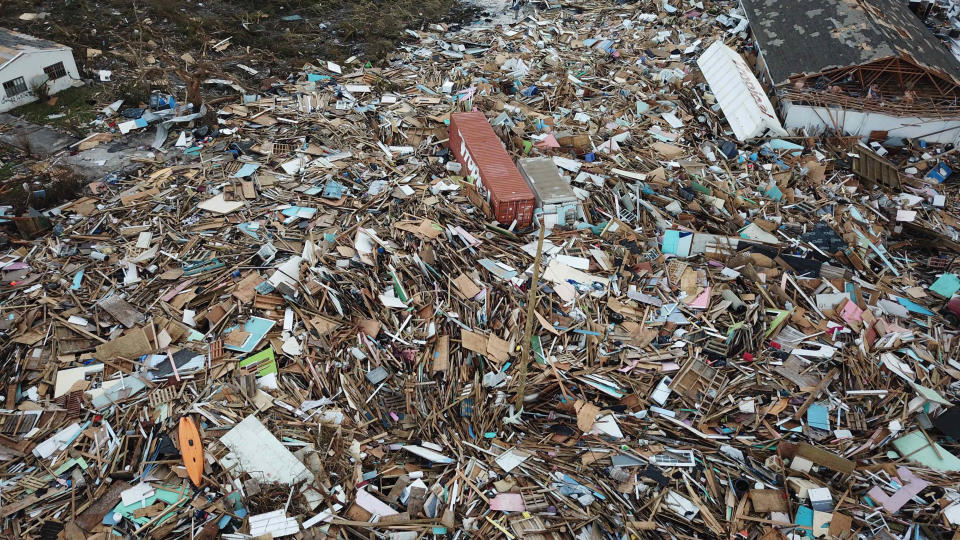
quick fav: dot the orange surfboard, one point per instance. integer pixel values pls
(191, 449)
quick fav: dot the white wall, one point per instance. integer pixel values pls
(30, 66)
(817, 119)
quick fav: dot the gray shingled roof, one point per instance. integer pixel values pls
(13, 43)
(811, 36)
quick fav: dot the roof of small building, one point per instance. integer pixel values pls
(13, 44)
(812, 36)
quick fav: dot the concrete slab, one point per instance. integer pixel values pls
(33, 139)
(108, 158)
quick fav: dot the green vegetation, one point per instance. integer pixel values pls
(142, 42)
(283, 33)
(7, 170)
(76, 104)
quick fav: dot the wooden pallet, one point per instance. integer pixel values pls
(530, 528)
(271, 302)
(535, 502)
(855, 420)
(162, 395)
(282, 149)
(215, 351)
(939, 263)
(393, 402)
(31, 483)
(232, 167)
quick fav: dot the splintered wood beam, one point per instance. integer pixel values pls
(894, 63)
(881, 70)
(831, 75)
(934, 81)
(936, 77)
(888, 73)
(839, 74)
(816, 392)
(868, 83)
(915, 80)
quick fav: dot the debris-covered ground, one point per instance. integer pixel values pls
(278, 33)
(282, 307)
(159, 45)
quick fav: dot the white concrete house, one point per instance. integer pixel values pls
(27, 62)
(870, 69)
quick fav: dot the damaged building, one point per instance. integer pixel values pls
(856, 67)
(31, 68)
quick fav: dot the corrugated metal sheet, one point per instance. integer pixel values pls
(483, 157)
(742, 99)
(545, 181)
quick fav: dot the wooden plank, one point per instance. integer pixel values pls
(92, 516)
(823, 457)
(11, 509)
(816, 392)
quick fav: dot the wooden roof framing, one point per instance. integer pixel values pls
(894, 76)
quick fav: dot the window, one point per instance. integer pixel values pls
(55, 71)
(15, 87)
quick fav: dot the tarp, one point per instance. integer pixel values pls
(742, 99)
(946, 285)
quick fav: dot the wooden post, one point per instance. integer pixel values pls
(528, 327)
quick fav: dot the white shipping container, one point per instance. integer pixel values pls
(555, 197)
(742, 99)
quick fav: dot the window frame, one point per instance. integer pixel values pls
(50, 70)
(19, 84)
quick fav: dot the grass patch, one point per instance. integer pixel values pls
(373, 28)
(7, 171)
(76, 104)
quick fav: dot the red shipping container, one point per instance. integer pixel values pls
(483, 157)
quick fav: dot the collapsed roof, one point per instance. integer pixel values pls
(813, 36)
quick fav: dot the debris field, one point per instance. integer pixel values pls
(527, 279)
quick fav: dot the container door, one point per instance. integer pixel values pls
(524, 212)
(510, 212)
(500, 212)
